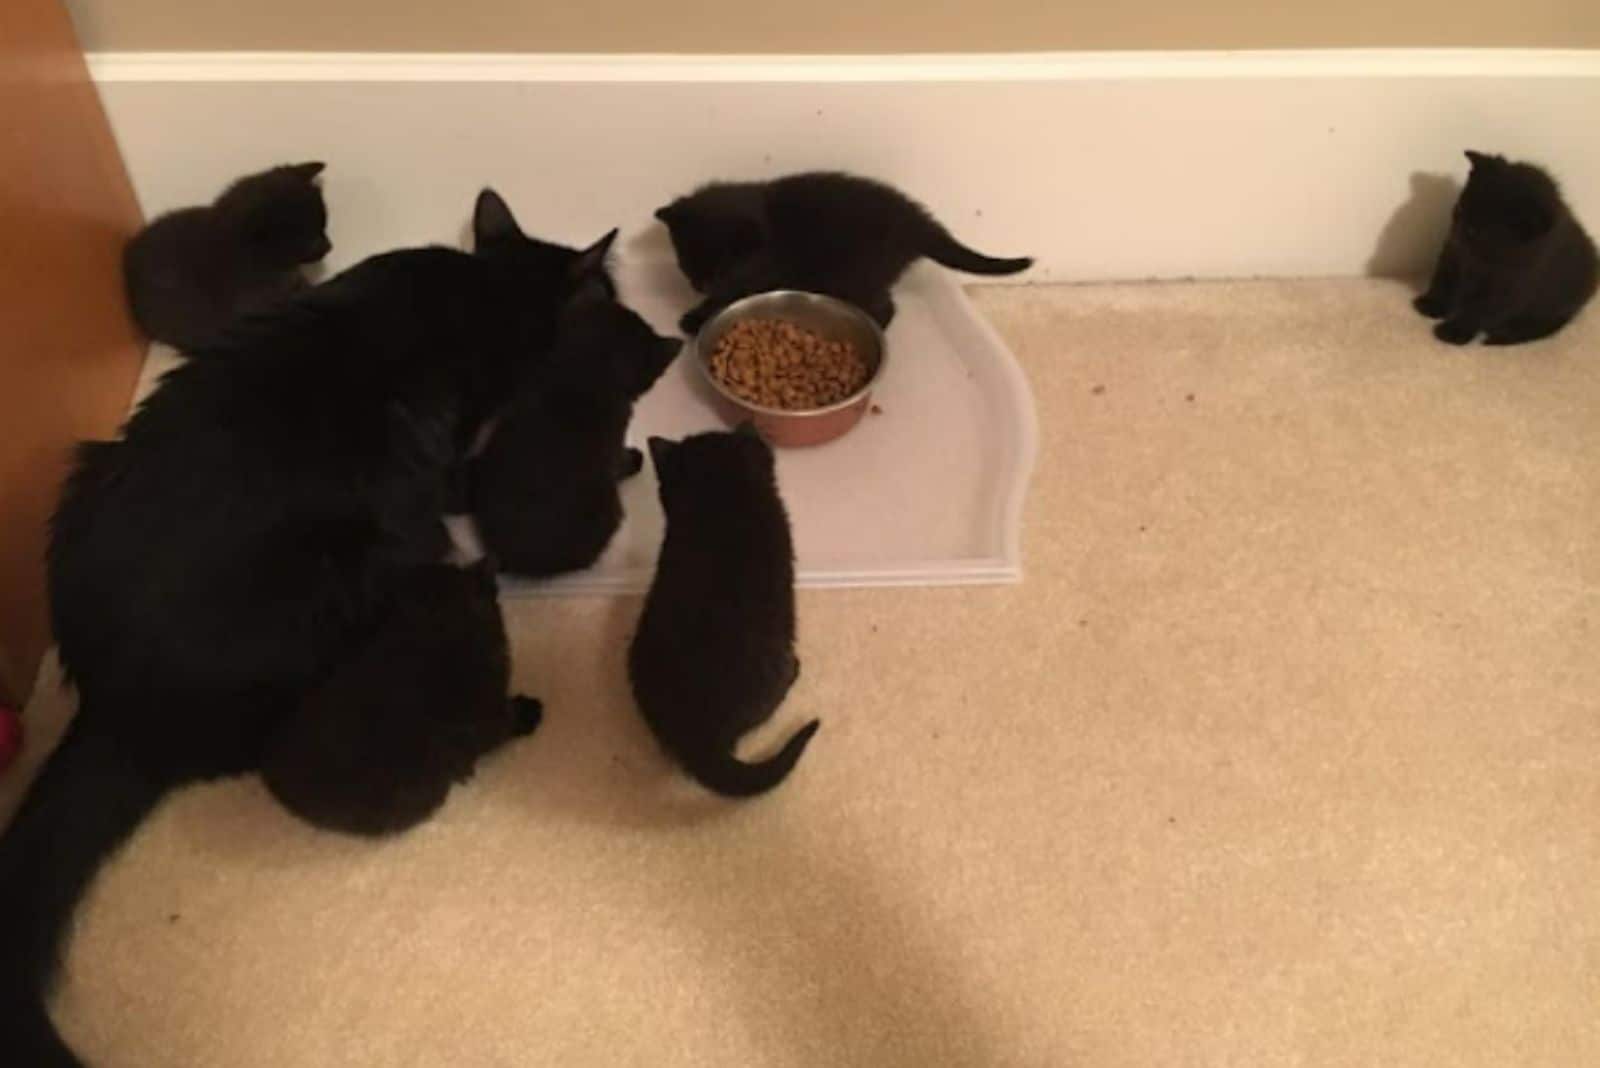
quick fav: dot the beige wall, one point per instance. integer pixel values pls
(835, 25)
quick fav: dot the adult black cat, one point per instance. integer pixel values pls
(245, 535)
(544, 489)
(1517, 266)
(831, 233)
(376, 747)
(192, 273)
(713, 655)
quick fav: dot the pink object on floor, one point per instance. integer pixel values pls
(10, 736)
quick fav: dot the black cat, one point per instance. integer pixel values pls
(192, 273)
(713, 656)
(243, 538)
(544, 489)
(1517, 266)
(376, 747)
(830, 233)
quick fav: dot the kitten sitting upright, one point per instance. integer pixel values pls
(544, 489)
(713, 655)
(376, 747)
(192, 273)
(838, 234)
(1517, 266)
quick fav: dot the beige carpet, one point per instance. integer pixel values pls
(1286, 753)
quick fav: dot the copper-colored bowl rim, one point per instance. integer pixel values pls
(742, 305)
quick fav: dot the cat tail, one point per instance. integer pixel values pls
(945, 249)
(84, 804)
(729, 776)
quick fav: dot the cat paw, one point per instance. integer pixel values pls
(1454, 333)
(526, 715)
(632, 464)
(1432, 306)
(1521, 331)
(1512, 338)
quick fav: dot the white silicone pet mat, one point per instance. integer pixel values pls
(928, 491)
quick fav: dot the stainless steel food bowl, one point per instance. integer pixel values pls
(829, 317)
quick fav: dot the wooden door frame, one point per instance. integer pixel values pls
(69, 353)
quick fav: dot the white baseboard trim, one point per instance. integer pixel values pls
(1004, 67)
(1101, 165)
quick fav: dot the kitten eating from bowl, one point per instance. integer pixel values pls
(839, 234)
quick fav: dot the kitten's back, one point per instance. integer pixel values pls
(1573, 269)
(1553, 273)
(376, 748)
(180, 274)
(713, 655)
(840, 227)
(191, 273)
(544, 489)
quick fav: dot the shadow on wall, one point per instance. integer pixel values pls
(1415, 233)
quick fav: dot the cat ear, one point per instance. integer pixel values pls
(1477, 159)
(307, 171)
(492, 221)
(667, 212)
(592, 260)
(661, 451)
(747, 428)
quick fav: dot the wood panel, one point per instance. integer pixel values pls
(69, 354)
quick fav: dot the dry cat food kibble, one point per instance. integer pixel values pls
(777, 364)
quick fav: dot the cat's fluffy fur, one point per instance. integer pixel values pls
(191, 274)
(1517, 266)
(377, 746)
(245, 536)
(544, 489)
(838, 234)
(713, 655)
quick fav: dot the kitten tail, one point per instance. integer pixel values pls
(945, 249)
(729, 776)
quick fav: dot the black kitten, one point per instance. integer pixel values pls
(1517, 266)
(714, 653)
(192, 273)
(829, 233)
(544, 490)
(243, 539)
(376, 748)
